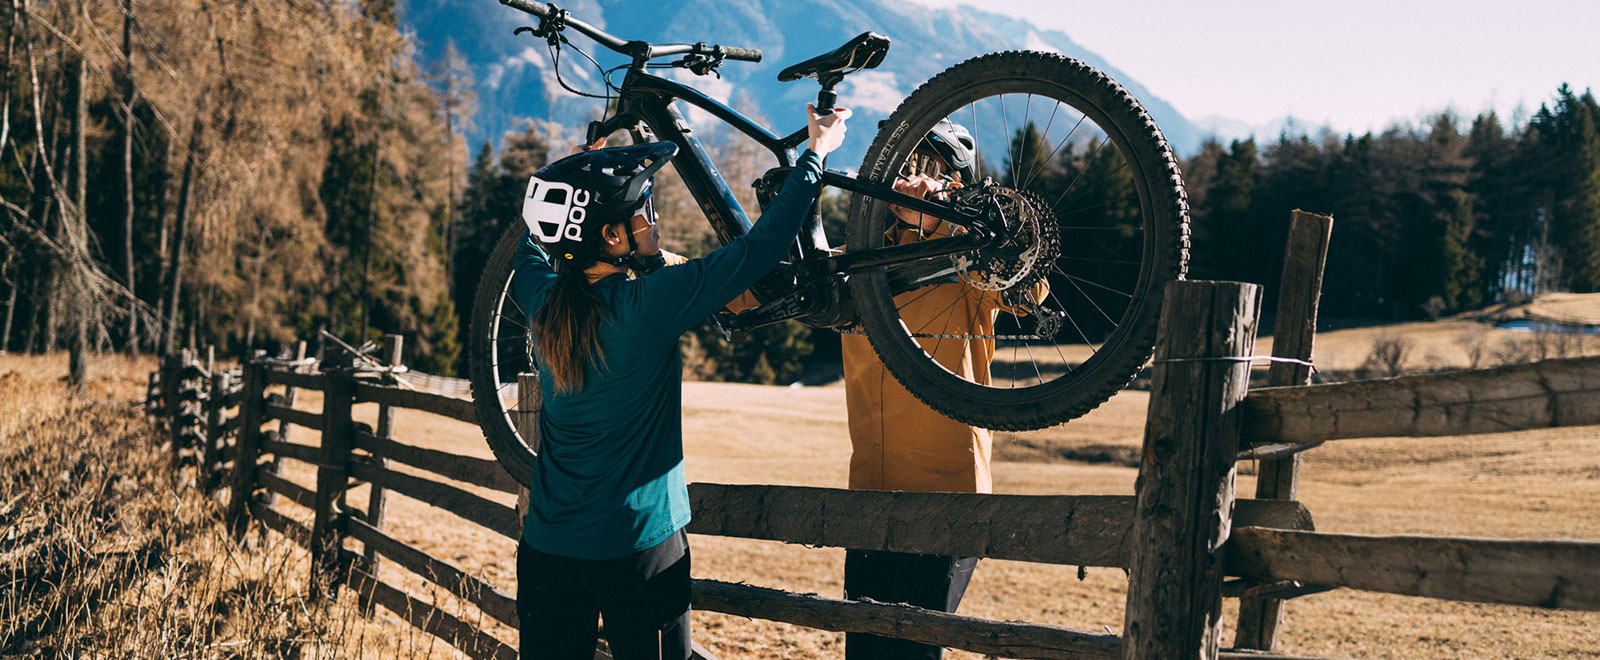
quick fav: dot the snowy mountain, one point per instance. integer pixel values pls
(515, 79)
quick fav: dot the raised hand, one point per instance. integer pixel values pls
(826, 131)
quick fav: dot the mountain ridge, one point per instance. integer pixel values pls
(514, 81)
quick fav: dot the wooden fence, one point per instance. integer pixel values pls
(1184, 537)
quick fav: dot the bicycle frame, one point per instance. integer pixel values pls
(648, 98)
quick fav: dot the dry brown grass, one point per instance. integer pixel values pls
(106, 553)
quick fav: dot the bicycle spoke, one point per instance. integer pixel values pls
(1093, 283)
(1093, 303)
(1033, 361)
(1011, 153)
(946, 308)
(949, 317)
(1074, 323)
(1092, 155)
(1101, 261)
(1044, 164)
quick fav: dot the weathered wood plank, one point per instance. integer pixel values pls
(476, 471)
(1087, 530)
(333, 476)
(393, 347)
(492, 601)
(1554, 574)
(242, 481)
(285, 376)
(309, 420)
(1561, 392)
(438, 404)
(284, 525)
(434, 621)
(295, 492)
(305, 453)
(492, 515)
(1186, 476)
(1001, 638)
(1080, 530)
(1293, 337)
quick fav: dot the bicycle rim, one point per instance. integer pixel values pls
(1077, 157)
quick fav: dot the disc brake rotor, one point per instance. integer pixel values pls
(1033, 230)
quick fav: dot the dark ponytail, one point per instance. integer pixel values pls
(567, 329)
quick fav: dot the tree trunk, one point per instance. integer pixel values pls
(79, 265)
(11, 310)
(450, 202)
(173, 286)
(33, 320)
(366, 250)
(128, 266)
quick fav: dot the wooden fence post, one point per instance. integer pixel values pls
(333, 475)
(1186, 476)
(216, 416)
(393, 348)
(1296, 328)
(176, 407)
(289, 394)
(169, 386)
(528, 405)
(249, 444)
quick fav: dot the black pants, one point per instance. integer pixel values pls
(930, 582)
(643, 597)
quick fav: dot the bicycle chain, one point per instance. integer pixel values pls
(932, 335)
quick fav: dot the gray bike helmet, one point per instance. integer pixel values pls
(952, 143)
(570, 200)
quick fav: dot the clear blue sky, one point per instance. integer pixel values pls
(1353, 64)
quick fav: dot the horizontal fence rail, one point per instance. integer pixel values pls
(295, 379)
(495, 603)
(1563, 392)
(430, 619)
(1081, 530)
(438, 404)
(1002, 638)
(476, 471)
(294, 416)
(1554, 574)
(496, 517)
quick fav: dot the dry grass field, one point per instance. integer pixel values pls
(1536, 484)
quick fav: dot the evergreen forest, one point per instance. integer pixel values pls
(240, 174)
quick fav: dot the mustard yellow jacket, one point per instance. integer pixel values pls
(899, 443)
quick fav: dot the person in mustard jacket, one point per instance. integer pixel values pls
(898, 442)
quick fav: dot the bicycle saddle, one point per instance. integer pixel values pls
(866, 51)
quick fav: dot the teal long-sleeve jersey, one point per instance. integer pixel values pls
(608, 480)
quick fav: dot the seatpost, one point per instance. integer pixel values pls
(827, 97)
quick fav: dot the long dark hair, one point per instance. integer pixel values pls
(567, 329)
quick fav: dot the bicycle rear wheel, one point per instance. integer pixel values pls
(499, 353)
(1089, 182)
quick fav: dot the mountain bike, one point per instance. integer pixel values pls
(1087, 199)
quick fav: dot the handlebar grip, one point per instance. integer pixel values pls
(539, 9)
(746, 54)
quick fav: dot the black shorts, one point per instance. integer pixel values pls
(643, 597)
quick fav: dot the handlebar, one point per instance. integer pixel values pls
(638, 50)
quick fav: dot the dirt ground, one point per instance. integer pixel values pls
(1535, 484)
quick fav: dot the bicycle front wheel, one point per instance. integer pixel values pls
(1097, 222)
(500, 352)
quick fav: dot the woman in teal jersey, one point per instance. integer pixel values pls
(608, 501)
